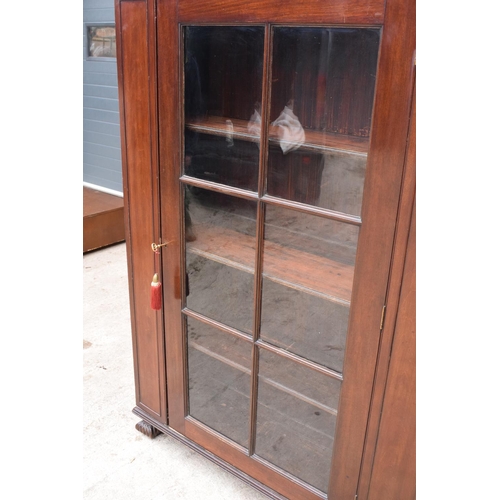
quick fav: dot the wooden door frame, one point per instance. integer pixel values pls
(379, 212)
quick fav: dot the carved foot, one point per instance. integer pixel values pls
(147, 429)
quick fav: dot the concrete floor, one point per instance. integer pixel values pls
(120, 463)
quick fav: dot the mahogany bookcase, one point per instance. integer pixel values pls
(268, 153)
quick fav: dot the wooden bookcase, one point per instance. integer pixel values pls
(270, 151)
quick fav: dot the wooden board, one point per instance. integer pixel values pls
(315, 140)
(290, 267)
(103, 219)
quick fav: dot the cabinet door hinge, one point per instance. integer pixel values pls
(382, 318)
(356, 496)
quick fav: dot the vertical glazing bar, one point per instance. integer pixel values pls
(266, 79)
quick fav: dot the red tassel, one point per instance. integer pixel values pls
(155, 293)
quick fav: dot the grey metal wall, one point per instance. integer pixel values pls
(101, 123)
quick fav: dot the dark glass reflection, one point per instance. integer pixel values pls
(307, 284)
(296, 415)
(219, 380)
(321, 104)
(220, 256)
(223, 88)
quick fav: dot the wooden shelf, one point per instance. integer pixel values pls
(315, 140)
(293, 268)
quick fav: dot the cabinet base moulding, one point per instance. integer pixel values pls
(160, 428)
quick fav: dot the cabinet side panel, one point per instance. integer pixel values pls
(393, 299)
(138, 192)
(393, 475)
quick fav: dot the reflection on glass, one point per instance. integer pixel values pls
(307, 284)
(296, 416)
(220, 256)
(222, 95)
(321, 104)
(101, 41)
(334, 181)
(219, 380)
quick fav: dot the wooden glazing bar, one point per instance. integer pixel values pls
(215, 324)
(219, 188)
(300, 360)
(266, 108)
(265, 380)
(260, 238)
(253, 400)
(309, 209)
(248, 371)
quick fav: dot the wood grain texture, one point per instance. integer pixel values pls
(169, 109)
(382, 188)
(393, 476)
(96, 202)
(223, 448)
(385, 165)
(133, 71)
(393, 300)
(103, 219)
(283, 11)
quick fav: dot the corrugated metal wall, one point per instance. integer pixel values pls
(101, 122)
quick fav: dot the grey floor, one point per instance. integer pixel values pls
(119, 462)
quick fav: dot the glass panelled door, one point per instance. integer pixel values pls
(275, 141)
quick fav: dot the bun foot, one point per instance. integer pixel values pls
(147, 429)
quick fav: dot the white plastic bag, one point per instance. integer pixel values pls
(290, 132)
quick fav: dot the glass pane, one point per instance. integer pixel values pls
(321, 104)
(101, 41)
(220, 256)
(307, 283)
(296, 415)
(304, 324)
(219, 380)
(223, 89)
